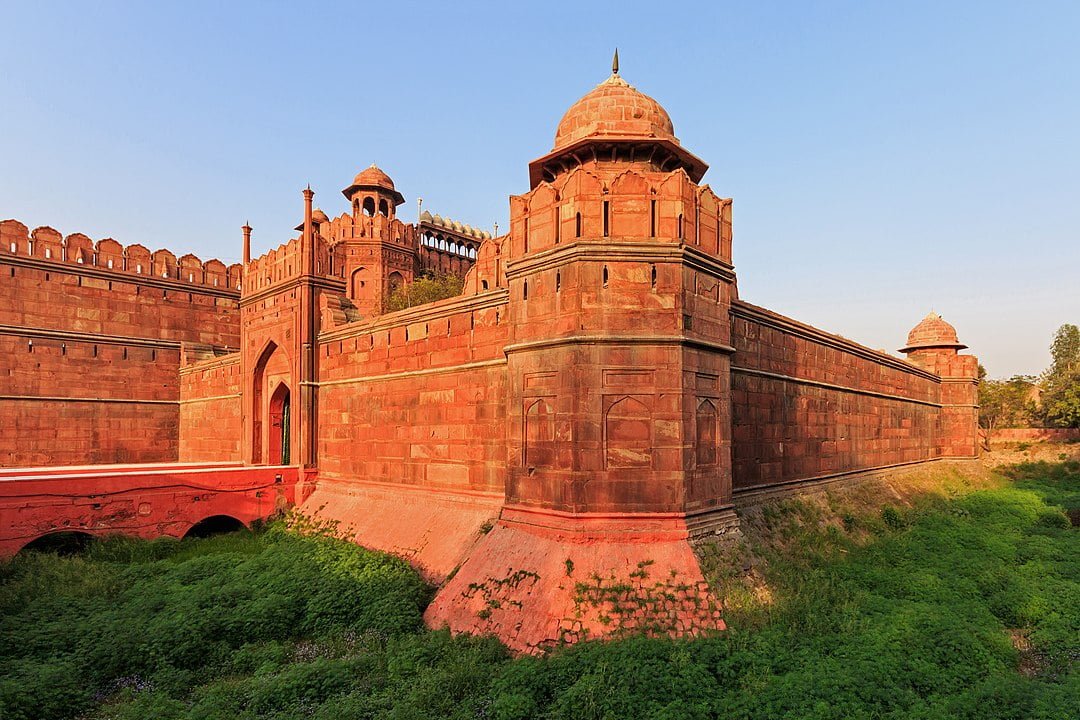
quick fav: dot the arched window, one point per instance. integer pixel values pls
(395, 280)
(384, 208)
(369, 206)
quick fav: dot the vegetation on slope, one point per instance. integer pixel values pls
(425, 289)
(962, 602)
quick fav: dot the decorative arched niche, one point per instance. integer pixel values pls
(539, 432)
(628, 434)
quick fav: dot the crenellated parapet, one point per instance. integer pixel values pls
(285, 263)
(370, 228)
(637, 205)
(47, 244)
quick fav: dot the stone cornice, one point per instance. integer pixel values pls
(60, 398)
(232, 358)
(465, 367)
(591, 251)
(420, 313)
(743, 309)
(114, 275)
(697, 343)
(211, 398)
(93, 338)
(831, 386)
(320, 281)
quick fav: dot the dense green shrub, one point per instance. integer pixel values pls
(914, 613)
(169, 615)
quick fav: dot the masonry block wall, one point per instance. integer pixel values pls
(807, 404)
(211, 424)
(417, 397)
(91, 336)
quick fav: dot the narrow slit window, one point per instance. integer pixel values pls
(607, 208)
(605, 276)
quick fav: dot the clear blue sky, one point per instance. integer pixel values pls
(885, 158)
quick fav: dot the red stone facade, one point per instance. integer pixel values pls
(595, 398)
(90, 344)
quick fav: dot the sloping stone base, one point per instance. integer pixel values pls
(539, 579)
(433, 529)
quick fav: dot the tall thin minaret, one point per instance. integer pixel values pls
(247, 242)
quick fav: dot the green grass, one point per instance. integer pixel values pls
(962, 601)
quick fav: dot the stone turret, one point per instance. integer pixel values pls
(934, 345)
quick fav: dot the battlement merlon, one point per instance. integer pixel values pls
(131, 263)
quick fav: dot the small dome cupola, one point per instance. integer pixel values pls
(932, 333)
(317, 216)
(615, 114)
(373, 192)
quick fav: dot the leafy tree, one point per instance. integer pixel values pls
(1065, 350)
(423, 290)
(1060, 402)
(1005, 403)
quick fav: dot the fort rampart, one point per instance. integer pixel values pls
(810, 405)
(596, 397)
(90, 342)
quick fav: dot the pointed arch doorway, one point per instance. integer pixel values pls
(280, 426)
(270, 411)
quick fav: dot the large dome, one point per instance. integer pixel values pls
(933, 332)
(614, 109)
(611, 118)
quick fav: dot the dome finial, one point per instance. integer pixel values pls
(615, 63)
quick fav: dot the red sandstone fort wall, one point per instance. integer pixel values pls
(417, 397)
(77, 403)
(211, 423)
(807, 404)
(100, 325)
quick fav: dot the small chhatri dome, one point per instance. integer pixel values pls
(317, 216)
(932, 332)
(373, 178)
(614, 108)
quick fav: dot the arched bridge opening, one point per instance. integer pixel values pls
(61, 542)
(215, 525)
